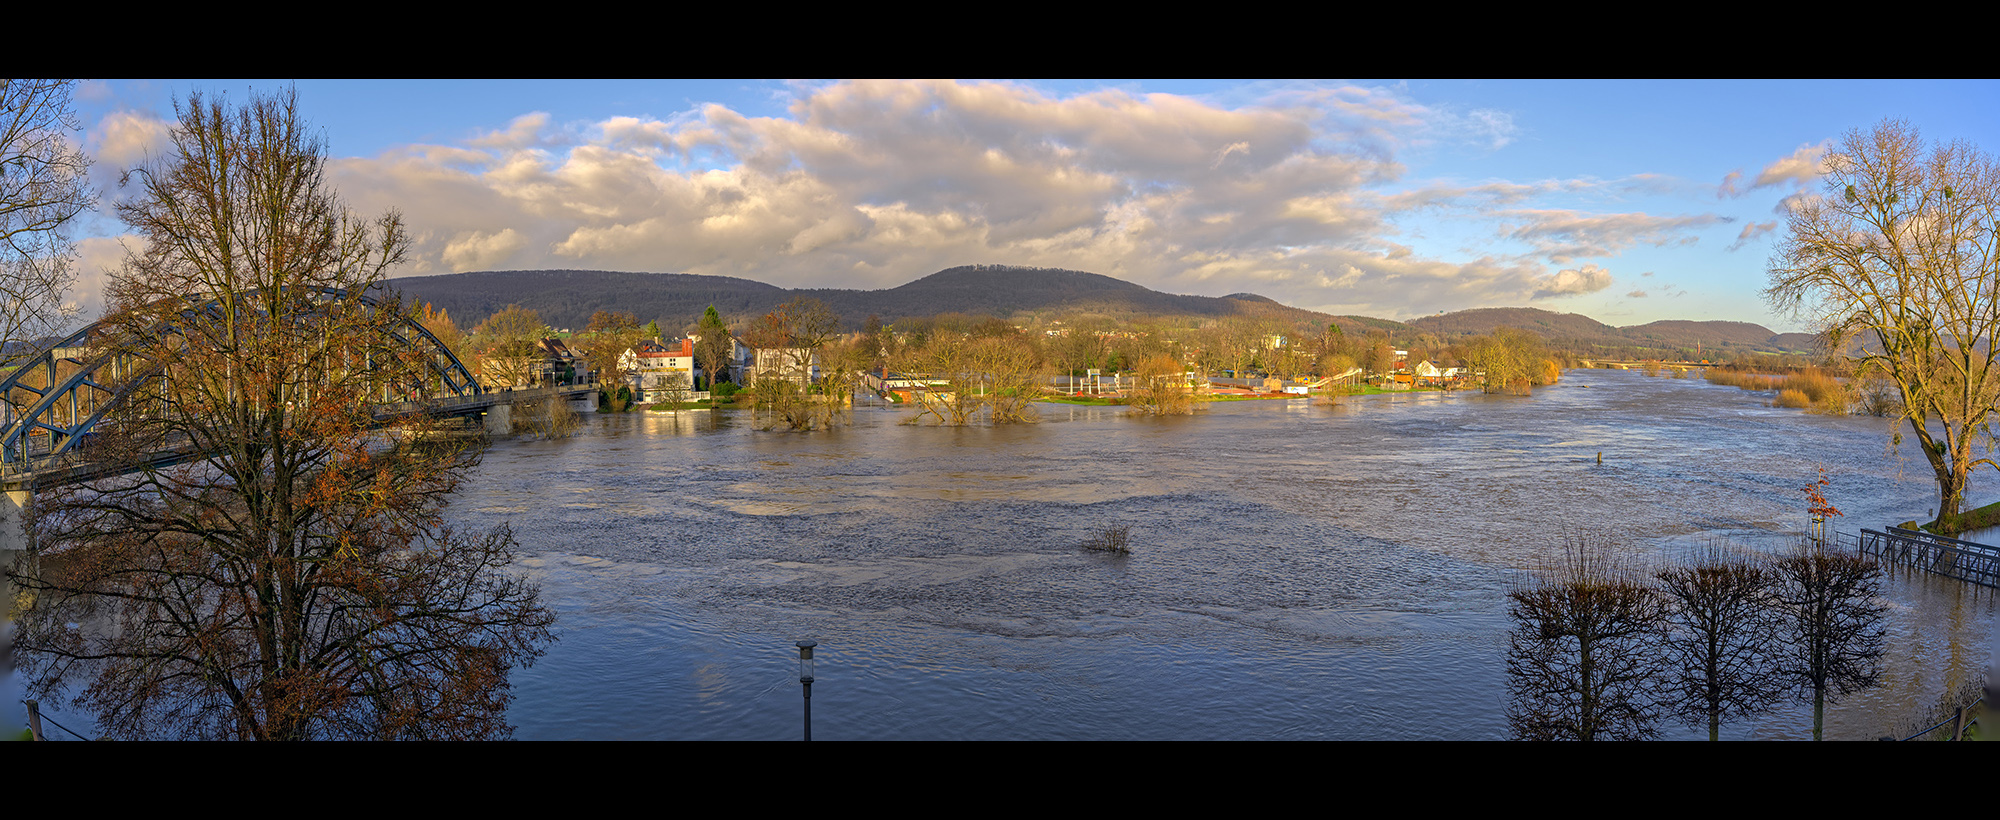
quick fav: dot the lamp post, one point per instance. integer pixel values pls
(806, 680)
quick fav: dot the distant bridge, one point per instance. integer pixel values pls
(1608, 364)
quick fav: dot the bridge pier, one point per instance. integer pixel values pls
(13, 522)
(500, 420)
(14, 500)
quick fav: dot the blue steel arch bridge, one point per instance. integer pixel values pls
(59, 395)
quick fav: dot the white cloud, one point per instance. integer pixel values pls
(1752, 232)
(1587, 279)
(124, 139)
(477, 250)
(874, 183)
(1563, 235)
(1800, 168)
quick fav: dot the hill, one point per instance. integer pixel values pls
(567, 298)
(1653, 339)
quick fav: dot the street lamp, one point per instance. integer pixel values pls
(806, 680)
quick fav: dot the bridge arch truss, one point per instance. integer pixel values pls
(51, 402)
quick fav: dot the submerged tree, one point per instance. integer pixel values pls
(1720, 641)
(294, 579)
(1897, 263)
(789, 342)
(1581, 658)
(998, 373)
(1164, 388)
(1832, 612)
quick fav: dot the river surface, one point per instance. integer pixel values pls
(1299, 571)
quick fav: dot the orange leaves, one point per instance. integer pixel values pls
(1817, 504)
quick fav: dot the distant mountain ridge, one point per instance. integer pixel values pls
(1578, 331)
(567, 298)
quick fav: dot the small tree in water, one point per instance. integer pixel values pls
(1581, 659)
(1832, 614)
(1719, 641)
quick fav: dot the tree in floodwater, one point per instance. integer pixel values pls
(1582, 657)
(295, 579)
(1720, 641)
(1832, 624)
(1163, 388)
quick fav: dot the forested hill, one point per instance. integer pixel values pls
(567, 298)
(1582, 333)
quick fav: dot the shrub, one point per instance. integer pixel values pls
(1112, 538)
(1792, 398)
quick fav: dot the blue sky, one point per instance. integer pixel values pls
(1625, 201)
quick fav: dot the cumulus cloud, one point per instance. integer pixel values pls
(874, 183)
(477, 250)
(1587, 279)
(123, 141)
(1637, 294)
(97, 258)
(1798, 169)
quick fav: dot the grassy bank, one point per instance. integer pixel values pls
(1973, 519)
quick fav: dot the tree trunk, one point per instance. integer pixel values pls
(1950, 469)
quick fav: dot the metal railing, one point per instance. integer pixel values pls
(1950, 557)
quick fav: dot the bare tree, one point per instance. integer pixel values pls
(295, 579)
(1582, 657)
(1163, 388)
(795, 334)
(676, 387)
(1897, 262)
(1832, 612)
(42, 188)
(510, 347)
(945, 356)
(1720, 640)
(1510, 361)
(1016, 375)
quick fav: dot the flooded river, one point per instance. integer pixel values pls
(1298, 572)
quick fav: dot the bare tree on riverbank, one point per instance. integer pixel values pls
(1897, 262)
(299, 580)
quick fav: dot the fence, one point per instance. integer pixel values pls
(1949, 557)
